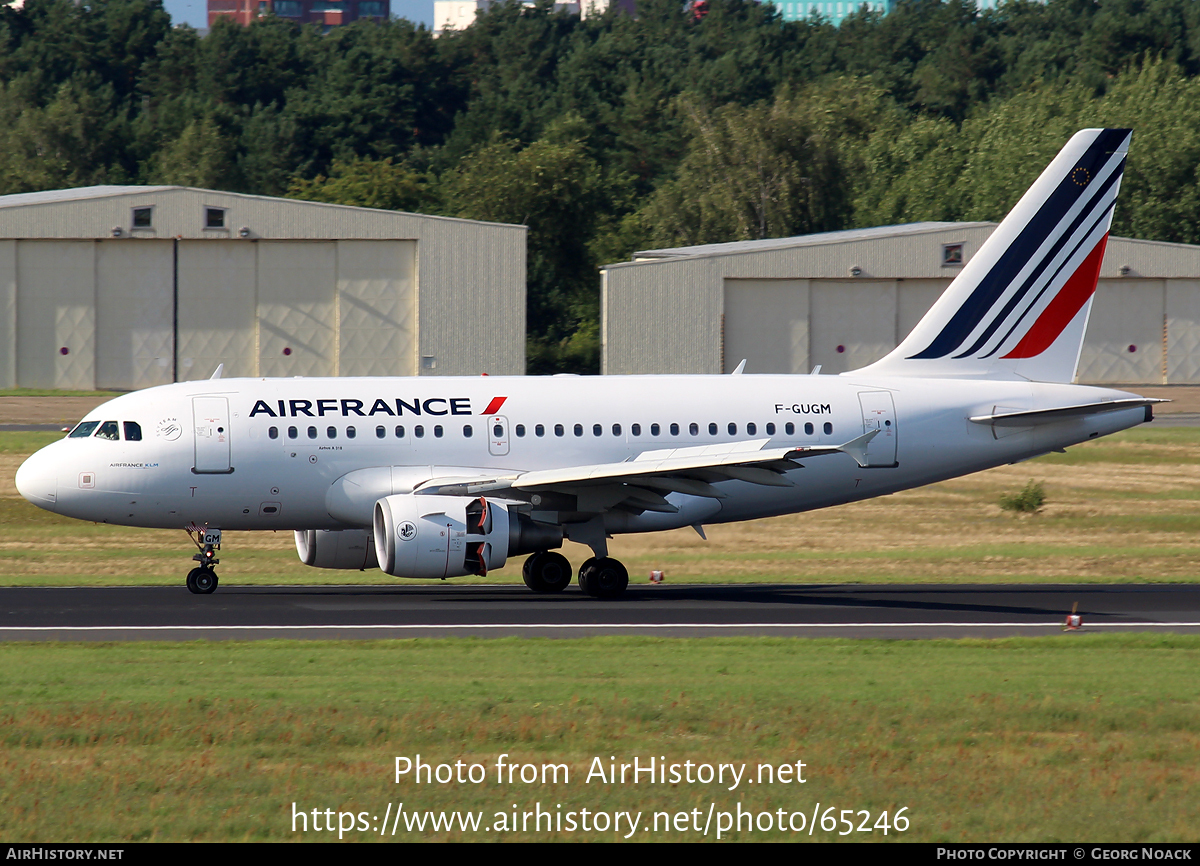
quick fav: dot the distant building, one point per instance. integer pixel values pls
(330, 13)
(843, 300)
(835, 11)
(460, 14)
(589, 8)
(126, 287)
(456, 14)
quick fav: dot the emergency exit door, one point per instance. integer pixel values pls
(497, 428)
(879, 413)
(210, 417)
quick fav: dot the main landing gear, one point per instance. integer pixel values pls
(603, 577)
(599, 577)
(547, 572)
(202, 580)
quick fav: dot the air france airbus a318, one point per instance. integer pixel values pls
(442, 477)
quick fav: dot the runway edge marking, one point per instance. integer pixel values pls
(449, 626)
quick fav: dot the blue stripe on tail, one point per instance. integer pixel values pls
(1048, 218)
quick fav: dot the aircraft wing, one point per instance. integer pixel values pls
(641, 481)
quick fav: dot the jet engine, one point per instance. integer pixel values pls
(336, 548)
(450, 536)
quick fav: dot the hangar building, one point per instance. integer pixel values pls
(125, 287)
(845, 299)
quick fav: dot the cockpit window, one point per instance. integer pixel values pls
(109, 430)
(84, 429)
(133, 431)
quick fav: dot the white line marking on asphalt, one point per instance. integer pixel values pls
(576, 625)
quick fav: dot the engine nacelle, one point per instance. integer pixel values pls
(336, 548)
(440, 536)
(450, 536)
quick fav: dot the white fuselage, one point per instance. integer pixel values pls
(249, 454)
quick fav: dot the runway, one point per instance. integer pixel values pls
(423, 611)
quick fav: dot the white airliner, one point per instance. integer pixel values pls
(442, 477)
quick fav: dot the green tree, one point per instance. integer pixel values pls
(76, 140)
(770, 170)
(375, 91)
(371, 183)
(911, 172)
(1160, 197)
(48, 42)
(508, 59)
(556, 188)
(266, 150)
(202, 156)
(929, 170)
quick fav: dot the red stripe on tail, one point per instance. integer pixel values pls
(1069, 301)
(494, 406)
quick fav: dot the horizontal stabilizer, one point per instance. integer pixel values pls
(1035, 417)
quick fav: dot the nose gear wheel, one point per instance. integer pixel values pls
(202, 581)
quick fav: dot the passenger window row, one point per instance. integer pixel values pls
(539, 430)
(381, 432)
(789, 429)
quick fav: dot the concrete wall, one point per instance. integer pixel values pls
(135, 344)
(663, 314)
(8, 314)
(56, 314)
(844, 300)
(218, 294)
(284, 288)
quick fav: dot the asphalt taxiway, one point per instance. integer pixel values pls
(374, 612)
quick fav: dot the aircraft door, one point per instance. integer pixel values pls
(211, 431)
(879, 413)
(497, 430)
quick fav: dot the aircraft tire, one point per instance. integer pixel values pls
(202, 581)
(585, 571)
(547, 572)
(603, 577)
(530, 575)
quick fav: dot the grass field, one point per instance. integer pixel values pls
(52, 392)
(1122, 509)
(1076, 737)
(1073, 738)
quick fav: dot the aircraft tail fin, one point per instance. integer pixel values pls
(1019, 307)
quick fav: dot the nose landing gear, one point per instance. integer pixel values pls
(202, 580)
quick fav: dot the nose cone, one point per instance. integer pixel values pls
(37, 480)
